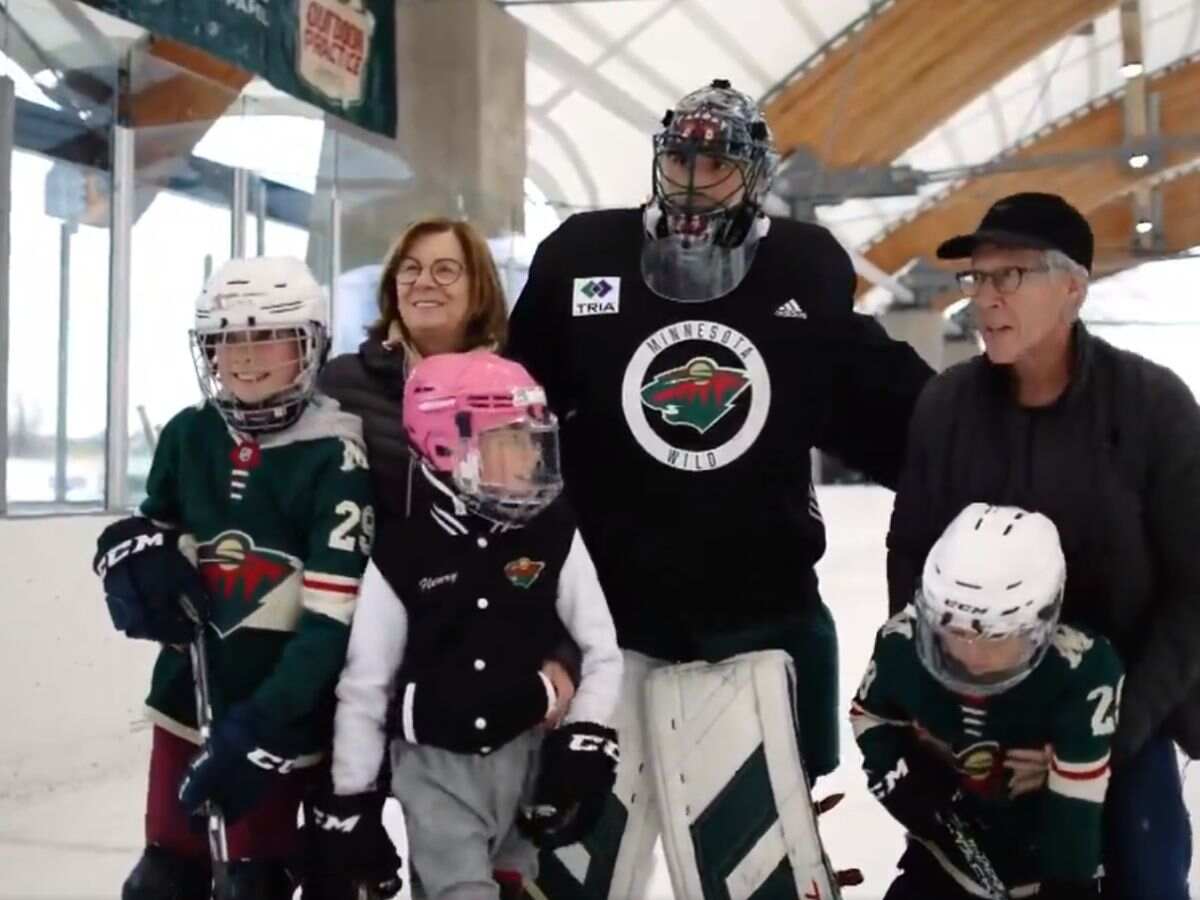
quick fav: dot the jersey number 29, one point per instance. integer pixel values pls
(342, 536)
(1108, 701)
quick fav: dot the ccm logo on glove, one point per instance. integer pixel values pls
(265, 759)
(329, 822)
(129, 547)
(591, 742)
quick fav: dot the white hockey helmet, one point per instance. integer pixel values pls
(261, 301)
(990, 598)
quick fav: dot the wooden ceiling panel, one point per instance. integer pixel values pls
(911, 67)
(1087, 184)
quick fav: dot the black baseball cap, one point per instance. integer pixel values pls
(1034, 220)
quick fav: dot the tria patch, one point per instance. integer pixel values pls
(696, 395)
(596, 296)
(523, 572)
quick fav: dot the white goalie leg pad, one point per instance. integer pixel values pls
(615, 860)
(734, 800)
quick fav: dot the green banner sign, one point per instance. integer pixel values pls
(338, 55)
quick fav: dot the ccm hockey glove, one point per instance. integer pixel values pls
(233, 770)
(578, 770)
(918, 787)
(145, 576)
(350, 854)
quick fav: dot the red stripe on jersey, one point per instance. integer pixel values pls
(1086, 775)
(329, 586)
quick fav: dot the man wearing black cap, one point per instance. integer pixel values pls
(1107, 444)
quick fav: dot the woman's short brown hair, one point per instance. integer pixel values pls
(487, 317)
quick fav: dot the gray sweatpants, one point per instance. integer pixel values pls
(460, 812)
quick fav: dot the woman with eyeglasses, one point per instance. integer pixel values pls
(1107, 444)
(439, 293)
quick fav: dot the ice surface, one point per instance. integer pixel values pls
(71, 808)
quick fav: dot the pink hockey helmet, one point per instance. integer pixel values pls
(482, 421)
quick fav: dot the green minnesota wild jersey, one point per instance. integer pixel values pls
(1068, 702)
(283, 530)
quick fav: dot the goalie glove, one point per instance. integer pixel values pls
(145, 575)
(578, 770)
(350, 854)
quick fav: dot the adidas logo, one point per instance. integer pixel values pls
(791, 310)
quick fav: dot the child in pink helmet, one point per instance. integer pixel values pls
(460, 605)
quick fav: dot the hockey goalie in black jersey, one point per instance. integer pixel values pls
(695, 350)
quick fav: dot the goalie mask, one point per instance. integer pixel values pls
(990, 599)
(713, 165)
(482, 422)
(260, 335)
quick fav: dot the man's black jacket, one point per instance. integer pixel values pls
(1115, 462)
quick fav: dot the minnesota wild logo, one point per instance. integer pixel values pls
(710, 371)
(696, 394)
(523, 572)
(241, 576)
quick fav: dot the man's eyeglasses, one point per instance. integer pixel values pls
(1005, 280)
(443, 271)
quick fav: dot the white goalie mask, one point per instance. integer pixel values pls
(260, 336)
(990, 599)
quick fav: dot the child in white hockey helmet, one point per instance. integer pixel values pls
(985, 723)
(258, 513)
(459, 606)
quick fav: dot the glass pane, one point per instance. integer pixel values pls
(58, 364)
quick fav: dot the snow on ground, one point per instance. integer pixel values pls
(72, 785)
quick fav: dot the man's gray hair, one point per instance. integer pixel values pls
(1059, 261)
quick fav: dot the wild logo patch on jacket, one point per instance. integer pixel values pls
(523, 572)
(241, 576)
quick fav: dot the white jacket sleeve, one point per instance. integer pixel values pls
(584, 612)
(378, 634)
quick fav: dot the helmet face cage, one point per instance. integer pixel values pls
(283, 407)
(936, 618)
(724, 127)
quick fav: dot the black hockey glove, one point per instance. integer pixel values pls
(145, 576)
(233, 770)
(918, 787)
(577, 773)
(349, 852)
(465, 717)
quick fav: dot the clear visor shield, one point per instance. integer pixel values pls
(258, 378)
(978, 664)
(511, 472)
(677, 268)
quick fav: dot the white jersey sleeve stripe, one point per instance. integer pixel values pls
(1080, 781)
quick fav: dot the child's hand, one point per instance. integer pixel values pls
(564, 689)
(1029, 767)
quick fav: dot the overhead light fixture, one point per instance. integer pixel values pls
(1139, 161)
(1131, 70)
(1144, 226)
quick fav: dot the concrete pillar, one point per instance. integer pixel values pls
(459, 148)
(919, 327)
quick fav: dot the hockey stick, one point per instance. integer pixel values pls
(218, 845)
(981, 867)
